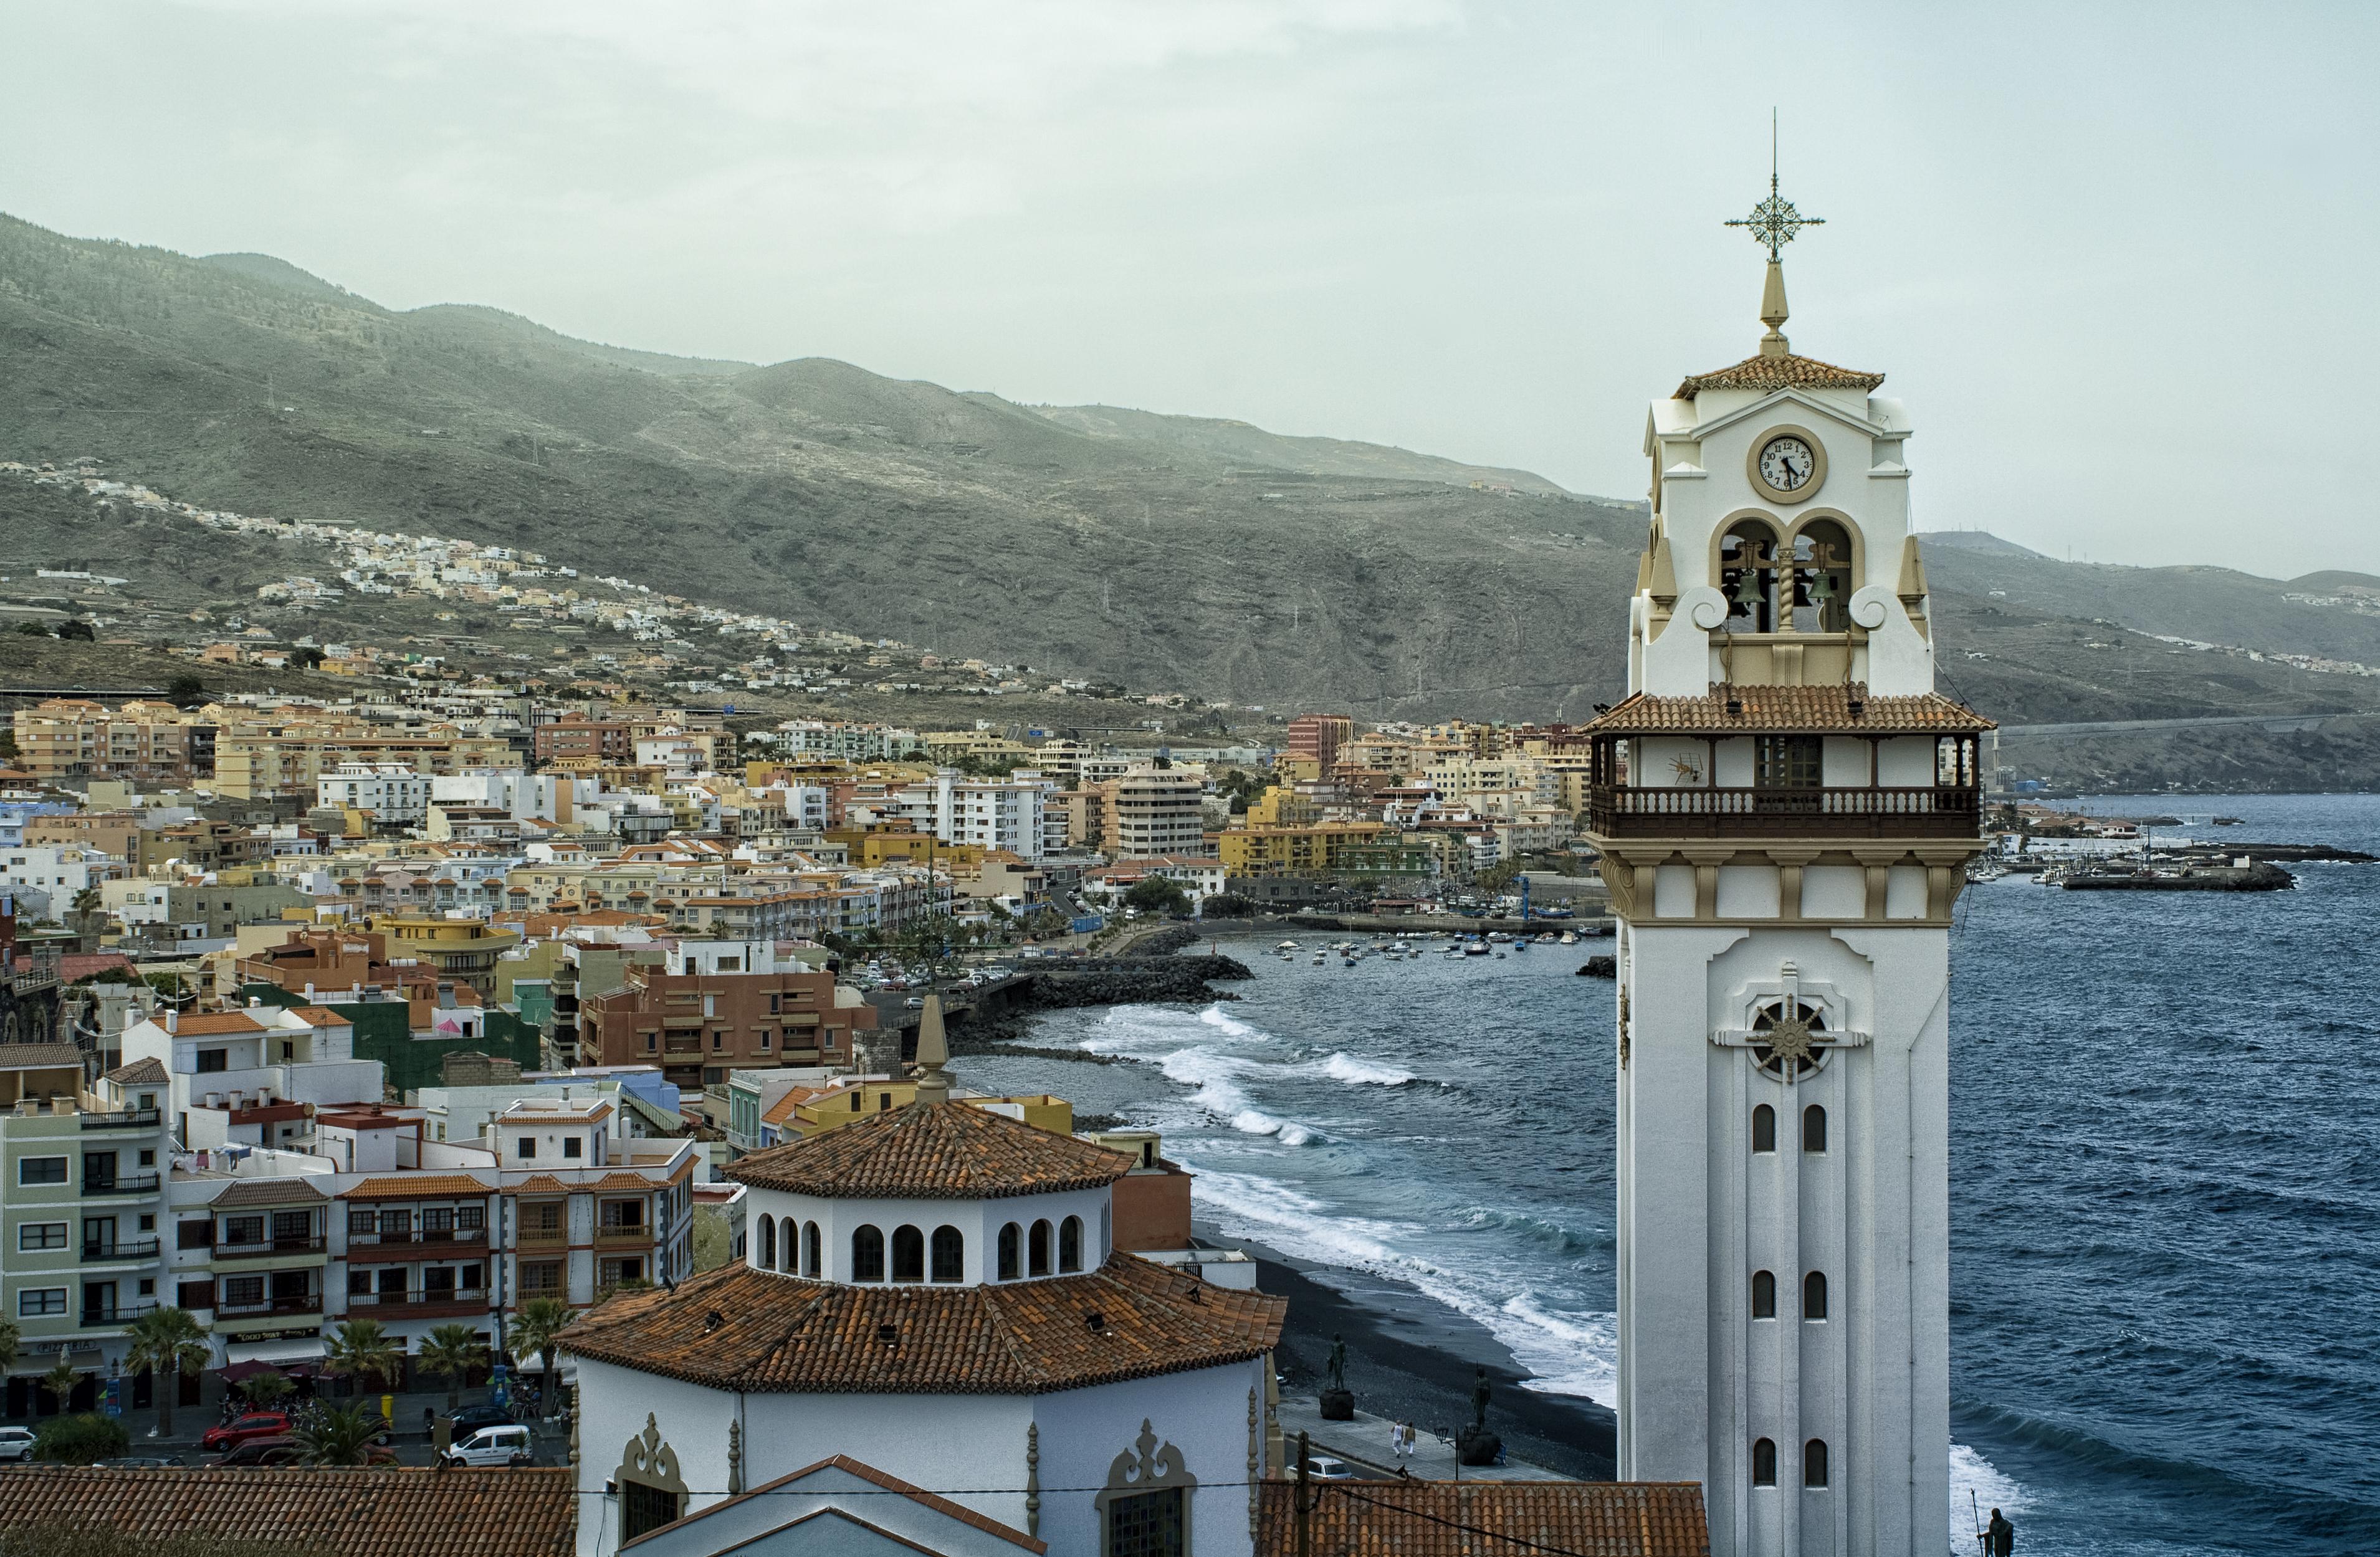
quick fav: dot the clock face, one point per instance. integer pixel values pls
(1787, 463)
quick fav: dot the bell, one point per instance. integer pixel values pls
(1747, 589)
(1822, 588)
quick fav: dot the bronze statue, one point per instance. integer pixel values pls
(1479, 1393)
(1337, 1367)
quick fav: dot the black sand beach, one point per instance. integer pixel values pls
(1410, 1357)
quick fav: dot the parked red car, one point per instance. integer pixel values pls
(255, 1424)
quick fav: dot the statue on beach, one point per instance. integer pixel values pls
(1475, 1444)
(1336, 1402)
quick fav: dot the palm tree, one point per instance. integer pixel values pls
(171, 1346)
(11, 1344)
(265, 1390)
(361, 1349)
(60, 1381)
(340, 1436)
(454, 1350)
(535, 1333)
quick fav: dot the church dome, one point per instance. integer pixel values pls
(932, 1150)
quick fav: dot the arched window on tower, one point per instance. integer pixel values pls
(1748, 566)
(1814, 1295)
(867, 1254)
(1822, 578)
(784, 1244)
(768, 1243)
(908, 1254)
(813, 1256)
(1814, 1463)
(1763, 1462)
(1764, 1128)
(1011, 1261)
(1038, 1249)
(950, 1254)
(1070, 1244)
(1764, 1295)
(1813, 1128)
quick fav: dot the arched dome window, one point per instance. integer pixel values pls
(908, 1254)
(812, 1255)
(950, 1254)
(1748, 567)
(1012, 1261)
(1070, 1244)
(867, 1254)
(768, 1243)
(1038, 1249)
(785, 1246)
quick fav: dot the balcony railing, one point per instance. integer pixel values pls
(121, 1313)
(364, 1243)
(460, 1299)
(267, 1249)
(311, 1304)
(621, 1232)
(1619, 811)
(123, 1249)
(122, 1119)
(543, 1235)
(122, 1184)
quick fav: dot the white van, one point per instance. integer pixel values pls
(504, 1445)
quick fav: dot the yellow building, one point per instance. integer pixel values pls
(1315, 848)
(1280, 806)
(464, 950)
(72, 737)
(256, 759)
(865, 848)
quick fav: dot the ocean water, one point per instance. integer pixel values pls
(2165, 1178)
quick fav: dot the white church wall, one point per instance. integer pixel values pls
(1747, 891)
(1833, 892)
(978, 1222)
(1203, 1413)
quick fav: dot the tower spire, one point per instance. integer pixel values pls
(1772, 225)
(933, 1053)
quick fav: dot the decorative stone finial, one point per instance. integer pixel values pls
(933, 1053)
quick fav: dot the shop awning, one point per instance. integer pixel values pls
(277, 1353)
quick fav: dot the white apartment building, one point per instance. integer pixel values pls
(1011, 813)
(392, 793)
(1154, 811)
(45, 879)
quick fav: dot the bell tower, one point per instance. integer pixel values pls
(1784, 808)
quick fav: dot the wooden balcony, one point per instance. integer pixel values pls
(267, 1249)
(1625, 814)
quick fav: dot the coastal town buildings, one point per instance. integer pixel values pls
(1783, 806)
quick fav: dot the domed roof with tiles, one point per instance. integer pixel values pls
(932, 1151)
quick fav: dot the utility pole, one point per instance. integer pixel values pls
(1305, 1497)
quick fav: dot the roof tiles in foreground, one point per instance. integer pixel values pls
(1466, 1518)
(379, 1513)
(942, 1150)
(1838, 708)
(737, 1328)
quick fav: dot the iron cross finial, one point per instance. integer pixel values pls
(1774, 220)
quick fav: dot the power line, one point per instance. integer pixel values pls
(1457, 1524)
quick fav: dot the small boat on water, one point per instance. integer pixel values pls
(1319, 959)
(1475, 948)
(1287, 945)
(1569, 939)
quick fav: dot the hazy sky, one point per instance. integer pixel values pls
(2111, 255)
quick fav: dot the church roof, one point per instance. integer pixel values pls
(1836, 708)
(517, 1512)
(1766, 373)
(736, 1328)
(937, 1151)
(1457, 1519)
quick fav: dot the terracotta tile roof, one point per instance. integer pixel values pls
(869, 1473)
(216, 1023)
(783, 1333)
(1765, 373)
(83, 964)
(944, 1151)
(539, 1184)
(322, 1016)
(417, 1186)
(1802, 709)
(38, 1057)
(139, 1072)
(782, 1109)
(268, 1191)
(1463, 1518)
(381, 1512)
